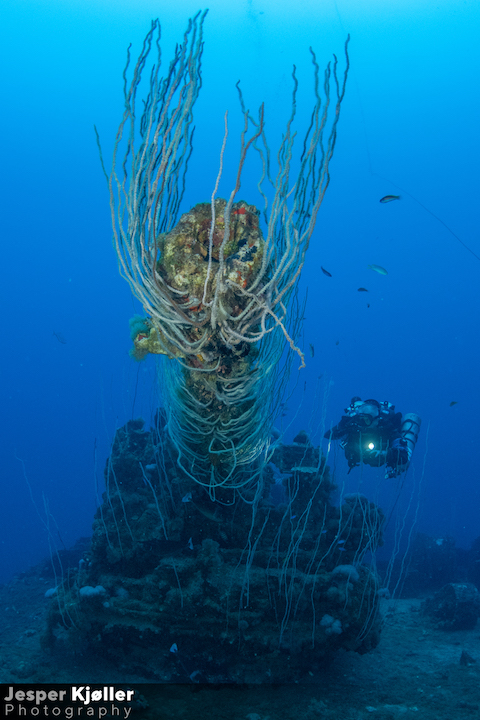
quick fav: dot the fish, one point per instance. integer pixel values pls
(454, 402)
(389, 198)
(325, 272)
(362, 290)
(338, 342)
(214, 515)
(312, 351)
(378, 268)
(60, 337)
(368, 304)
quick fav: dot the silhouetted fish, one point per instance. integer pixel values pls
(454, 402)
(362, 290)
(325, 272)
(389, 198)
(60, 338)
(312, 350)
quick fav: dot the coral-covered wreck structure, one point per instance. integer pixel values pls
(218, 553)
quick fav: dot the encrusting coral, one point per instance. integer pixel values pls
(241, 590)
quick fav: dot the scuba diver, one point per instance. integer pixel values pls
(373, 433)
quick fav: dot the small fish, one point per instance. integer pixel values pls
(362, 290)
(378, 268)
(190, 544)
(389, 198)
(338, 342)
(454, 402)
(60, 338)
(368, 304)
(325, 272)
(312, 351)
(187, 498)
(174, 648)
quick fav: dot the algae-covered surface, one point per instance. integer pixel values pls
(414, 672)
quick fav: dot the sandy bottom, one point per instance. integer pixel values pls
(415, 672)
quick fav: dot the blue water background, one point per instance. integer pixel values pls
(410, 119)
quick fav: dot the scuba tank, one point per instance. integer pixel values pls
(401, 450)
(409, 431)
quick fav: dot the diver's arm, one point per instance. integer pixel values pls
(338, 431)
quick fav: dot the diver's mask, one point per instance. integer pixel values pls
(367, 413)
